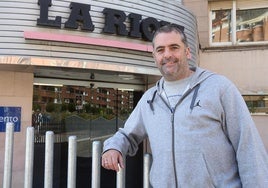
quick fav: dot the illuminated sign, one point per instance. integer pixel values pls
(12, 115)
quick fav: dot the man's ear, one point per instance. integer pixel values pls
(188, 53)
(153, 54)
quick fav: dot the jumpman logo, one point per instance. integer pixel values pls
(197, 104)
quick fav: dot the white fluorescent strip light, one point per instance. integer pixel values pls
(45, 84)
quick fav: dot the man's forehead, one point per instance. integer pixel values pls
(168, 34)
(167, 38)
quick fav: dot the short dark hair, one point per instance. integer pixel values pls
(170, 28)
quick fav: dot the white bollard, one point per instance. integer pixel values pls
(9, 143)
(96, 164)
(147, 160)
(49, 153)
(29, 158)
(72, 150)
(121, 176)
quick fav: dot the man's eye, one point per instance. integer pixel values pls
(159, 50)
(175, 47)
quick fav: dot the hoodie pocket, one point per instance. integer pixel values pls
(193, 170)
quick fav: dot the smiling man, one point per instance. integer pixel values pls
(199, 127)
(171, 53)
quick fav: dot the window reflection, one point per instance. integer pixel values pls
(86, 112)
(252, 25)
(221, 26)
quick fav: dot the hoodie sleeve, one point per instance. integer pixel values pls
(127, 139)
(250, 152)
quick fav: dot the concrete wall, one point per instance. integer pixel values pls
(200, 10)
(261, 123)
(247, 69)
(16, 90)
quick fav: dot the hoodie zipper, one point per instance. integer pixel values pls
(173, 147)
(172, 119)
(172, 110)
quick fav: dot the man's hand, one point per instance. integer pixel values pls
(112, 160)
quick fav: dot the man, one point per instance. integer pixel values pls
(200, 130)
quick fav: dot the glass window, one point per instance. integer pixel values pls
(240, 23)
(257, 103)
(76, 114)
(252, 25)
(221, 26)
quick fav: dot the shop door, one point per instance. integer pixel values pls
(90, 113)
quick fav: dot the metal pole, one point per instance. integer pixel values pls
(7, 180)
(96, 156)
(72, 149)
(49, 151)
(147, 160)
(120, 176)
(29, 158)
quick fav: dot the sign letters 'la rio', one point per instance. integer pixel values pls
(12, 115)
(114, 21)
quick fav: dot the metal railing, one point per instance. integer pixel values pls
(71, 170)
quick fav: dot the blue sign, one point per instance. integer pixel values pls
(10, 114)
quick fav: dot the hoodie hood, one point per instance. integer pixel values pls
(198, 77)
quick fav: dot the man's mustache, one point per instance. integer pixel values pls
(169, 60)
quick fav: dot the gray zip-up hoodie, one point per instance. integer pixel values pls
(209, 140)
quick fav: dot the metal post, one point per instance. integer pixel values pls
(29, 158)
(72, 150)
(49, 151)
(96, 157)
(147, 160)
(120, 176)
(7, 180)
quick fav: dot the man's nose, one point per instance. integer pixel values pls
(167, 53)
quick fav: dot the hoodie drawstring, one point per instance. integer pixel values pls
(150, 102)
